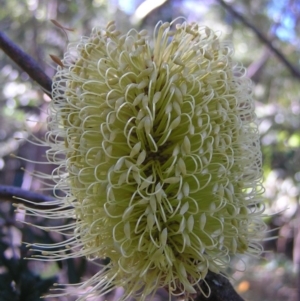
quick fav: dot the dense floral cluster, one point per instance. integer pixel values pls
(161, 164)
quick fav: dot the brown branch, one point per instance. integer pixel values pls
(221, 289)
(19, 195)
(26, 63)
(293, 70)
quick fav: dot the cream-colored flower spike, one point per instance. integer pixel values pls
(161, 164)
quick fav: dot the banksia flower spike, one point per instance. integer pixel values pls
(158, 155)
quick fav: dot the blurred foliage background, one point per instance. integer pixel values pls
(277, 93)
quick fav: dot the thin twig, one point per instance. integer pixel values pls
(19, 195)
(26, 63)
(294, 71)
